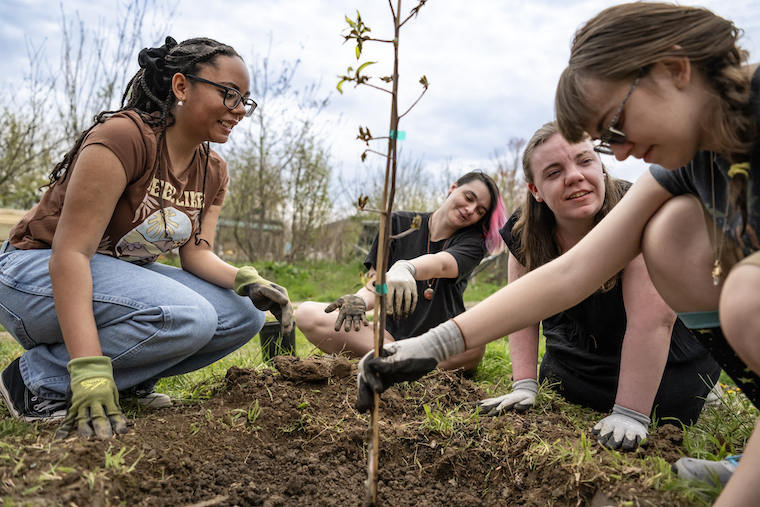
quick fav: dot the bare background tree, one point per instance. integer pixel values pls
(280, 157)
(27, 142)
(96, 64)
(56, 102)
(508, 172)
(309, 196)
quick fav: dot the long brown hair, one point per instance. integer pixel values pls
(626, 40)
(536, 228)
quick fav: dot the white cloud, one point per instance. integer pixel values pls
(493, 64)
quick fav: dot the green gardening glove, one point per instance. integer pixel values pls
(93, 400)
(265, 296)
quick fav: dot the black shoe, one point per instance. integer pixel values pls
(23, 403)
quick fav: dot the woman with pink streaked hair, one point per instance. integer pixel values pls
(428, 274)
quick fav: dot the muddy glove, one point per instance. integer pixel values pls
(624, 429)
(93, 400)
(265, 296)
(405, 360)
(520, 399)
(402, 290)
(353, 309)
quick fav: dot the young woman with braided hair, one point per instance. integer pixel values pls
(668, 84)
(79, 285)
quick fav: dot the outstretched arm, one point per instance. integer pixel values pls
(401, 280)
(569, 279)
(93, 191)
(199, 259)
(437, 265)
(554, 287)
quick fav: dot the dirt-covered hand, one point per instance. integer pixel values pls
(402, 290)
(520, 399)
(93, 400)
(406, 360)
(624, 429)
(266, 296)
(353, 310)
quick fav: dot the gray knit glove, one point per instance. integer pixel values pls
(624, 429)
(520, 399)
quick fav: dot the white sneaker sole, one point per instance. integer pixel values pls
(154, 400)
(58, 415)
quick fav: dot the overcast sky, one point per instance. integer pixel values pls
(493, 65)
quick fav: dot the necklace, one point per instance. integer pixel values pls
(428, 294)
(717, 271)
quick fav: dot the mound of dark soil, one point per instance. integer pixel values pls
(293, 437)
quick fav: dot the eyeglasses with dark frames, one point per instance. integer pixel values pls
(232, 97)
(611, 135)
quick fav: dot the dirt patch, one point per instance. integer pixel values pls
(292, 437)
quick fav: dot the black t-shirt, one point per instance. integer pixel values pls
(468, 248)
(589, 336)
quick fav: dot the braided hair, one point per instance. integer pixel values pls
(149, 93)
(626, 40)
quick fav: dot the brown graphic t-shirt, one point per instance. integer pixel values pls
(136, 232)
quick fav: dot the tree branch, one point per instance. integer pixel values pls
(415, 103)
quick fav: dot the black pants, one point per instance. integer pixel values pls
(679, 399)
(713, 340)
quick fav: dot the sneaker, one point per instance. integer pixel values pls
(715, 397)
(146, 397)
(714, 472)
(23, 403)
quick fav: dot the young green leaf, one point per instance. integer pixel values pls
(365, 64)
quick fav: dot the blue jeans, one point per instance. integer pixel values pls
(153, 321)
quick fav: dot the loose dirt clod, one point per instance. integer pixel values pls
(312, 369)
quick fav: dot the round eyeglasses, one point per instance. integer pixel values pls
(232, 97)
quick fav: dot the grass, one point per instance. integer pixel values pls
(721, 431)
